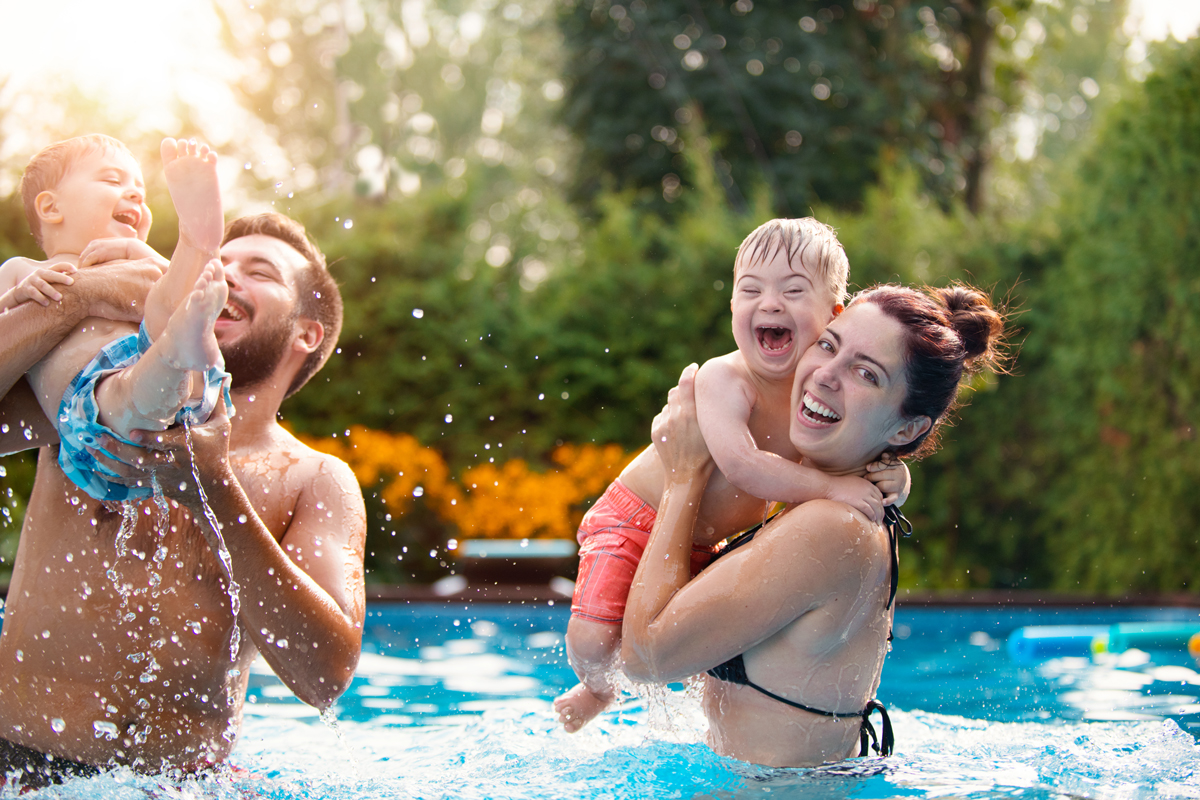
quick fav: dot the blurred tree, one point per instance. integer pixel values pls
(804, 97)
(1119, 347)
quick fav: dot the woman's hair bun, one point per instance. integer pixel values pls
(977, 323)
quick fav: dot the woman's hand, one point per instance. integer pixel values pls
(676, 432)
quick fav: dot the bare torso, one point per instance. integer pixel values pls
(139, 674)
(830, 658)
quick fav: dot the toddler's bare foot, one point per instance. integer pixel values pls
(191, 171)
(579, 706)
(188, 343)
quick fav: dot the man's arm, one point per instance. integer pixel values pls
(28, 332)
(724, 404)
(302, 598)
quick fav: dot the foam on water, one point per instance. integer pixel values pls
(445, 710)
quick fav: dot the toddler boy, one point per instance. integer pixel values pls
(85, 202)
(789, 283)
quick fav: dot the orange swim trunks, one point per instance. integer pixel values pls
(612, 538)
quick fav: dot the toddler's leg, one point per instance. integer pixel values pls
(191, 171)
(188, 343)
(592, 649)
(148, 394)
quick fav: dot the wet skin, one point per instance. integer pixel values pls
(292, 518)
(805, 600)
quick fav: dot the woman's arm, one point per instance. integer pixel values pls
(674, 628)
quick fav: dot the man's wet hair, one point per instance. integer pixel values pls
(50, 164)
(814, 244)
(317, 295)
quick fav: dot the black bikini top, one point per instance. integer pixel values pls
(734, 670)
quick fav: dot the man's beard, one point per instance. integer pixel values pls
(251, 359)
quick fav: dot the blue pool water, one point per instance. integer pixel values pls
(454, 701)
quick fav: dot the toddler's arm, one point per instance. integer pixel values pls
(892, 478)
(38, 286)
(723, 404)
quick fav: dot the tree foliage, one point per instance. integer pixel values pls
(1119, 347)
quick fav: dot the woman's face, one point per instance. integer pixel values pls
(849, 388)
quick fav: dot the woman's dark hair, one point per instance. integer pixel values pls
(949, 333)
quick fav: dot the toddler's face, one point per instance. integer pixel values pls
(779, 309)
(103, 196)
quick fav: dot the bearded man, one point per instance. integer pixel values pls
(128, 637)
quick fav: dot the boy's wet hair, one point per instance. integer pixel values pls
(317, 295)
(814, 244)
(52, 163)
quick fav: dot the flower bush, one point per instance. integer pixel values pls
(495, 501)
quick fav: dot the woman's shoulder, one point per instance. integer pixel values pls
(824, 526)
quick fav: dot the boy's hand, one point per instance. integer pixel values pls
(892, 477)
(100, 251)
(858, 494)
(38, 285)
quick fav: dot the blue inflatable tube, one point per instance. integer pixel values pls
(1040, 642)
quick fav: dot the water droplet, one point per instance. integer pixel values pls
(242, 518)
(194, 626)
(348, 224)
(20, 655)
(282, 643)
(57, 725)
(4, 428)
(3, 471)
(104, 729)
(28, 434)
(70, 557)
(45, 634)
(449, 418)
(417, 312)
(250, 399)
(183, 486)
(418, 491)
(541, 397)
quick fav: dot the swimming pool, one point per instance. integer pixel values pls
(454, 701)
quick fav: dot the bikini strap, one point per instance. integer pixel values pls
(894, 520)
(883, 748)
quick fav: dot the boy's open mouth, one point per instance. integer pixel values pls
(130, 218)
(774, 339)
(816, 411)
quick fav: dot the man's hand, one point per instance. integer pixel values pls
(38, 286)
(857, 493)
(116, 289)
(165, 455)
(101, 251)
(892, 477)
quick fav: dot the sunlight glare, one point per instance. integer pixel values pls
(140, 57)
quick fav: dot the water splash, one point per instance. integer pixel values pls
(235, 602)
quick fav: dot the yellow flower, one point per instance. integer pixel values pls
(507, 500)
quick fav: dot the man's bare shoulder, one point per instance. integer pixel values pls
(326, 470)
